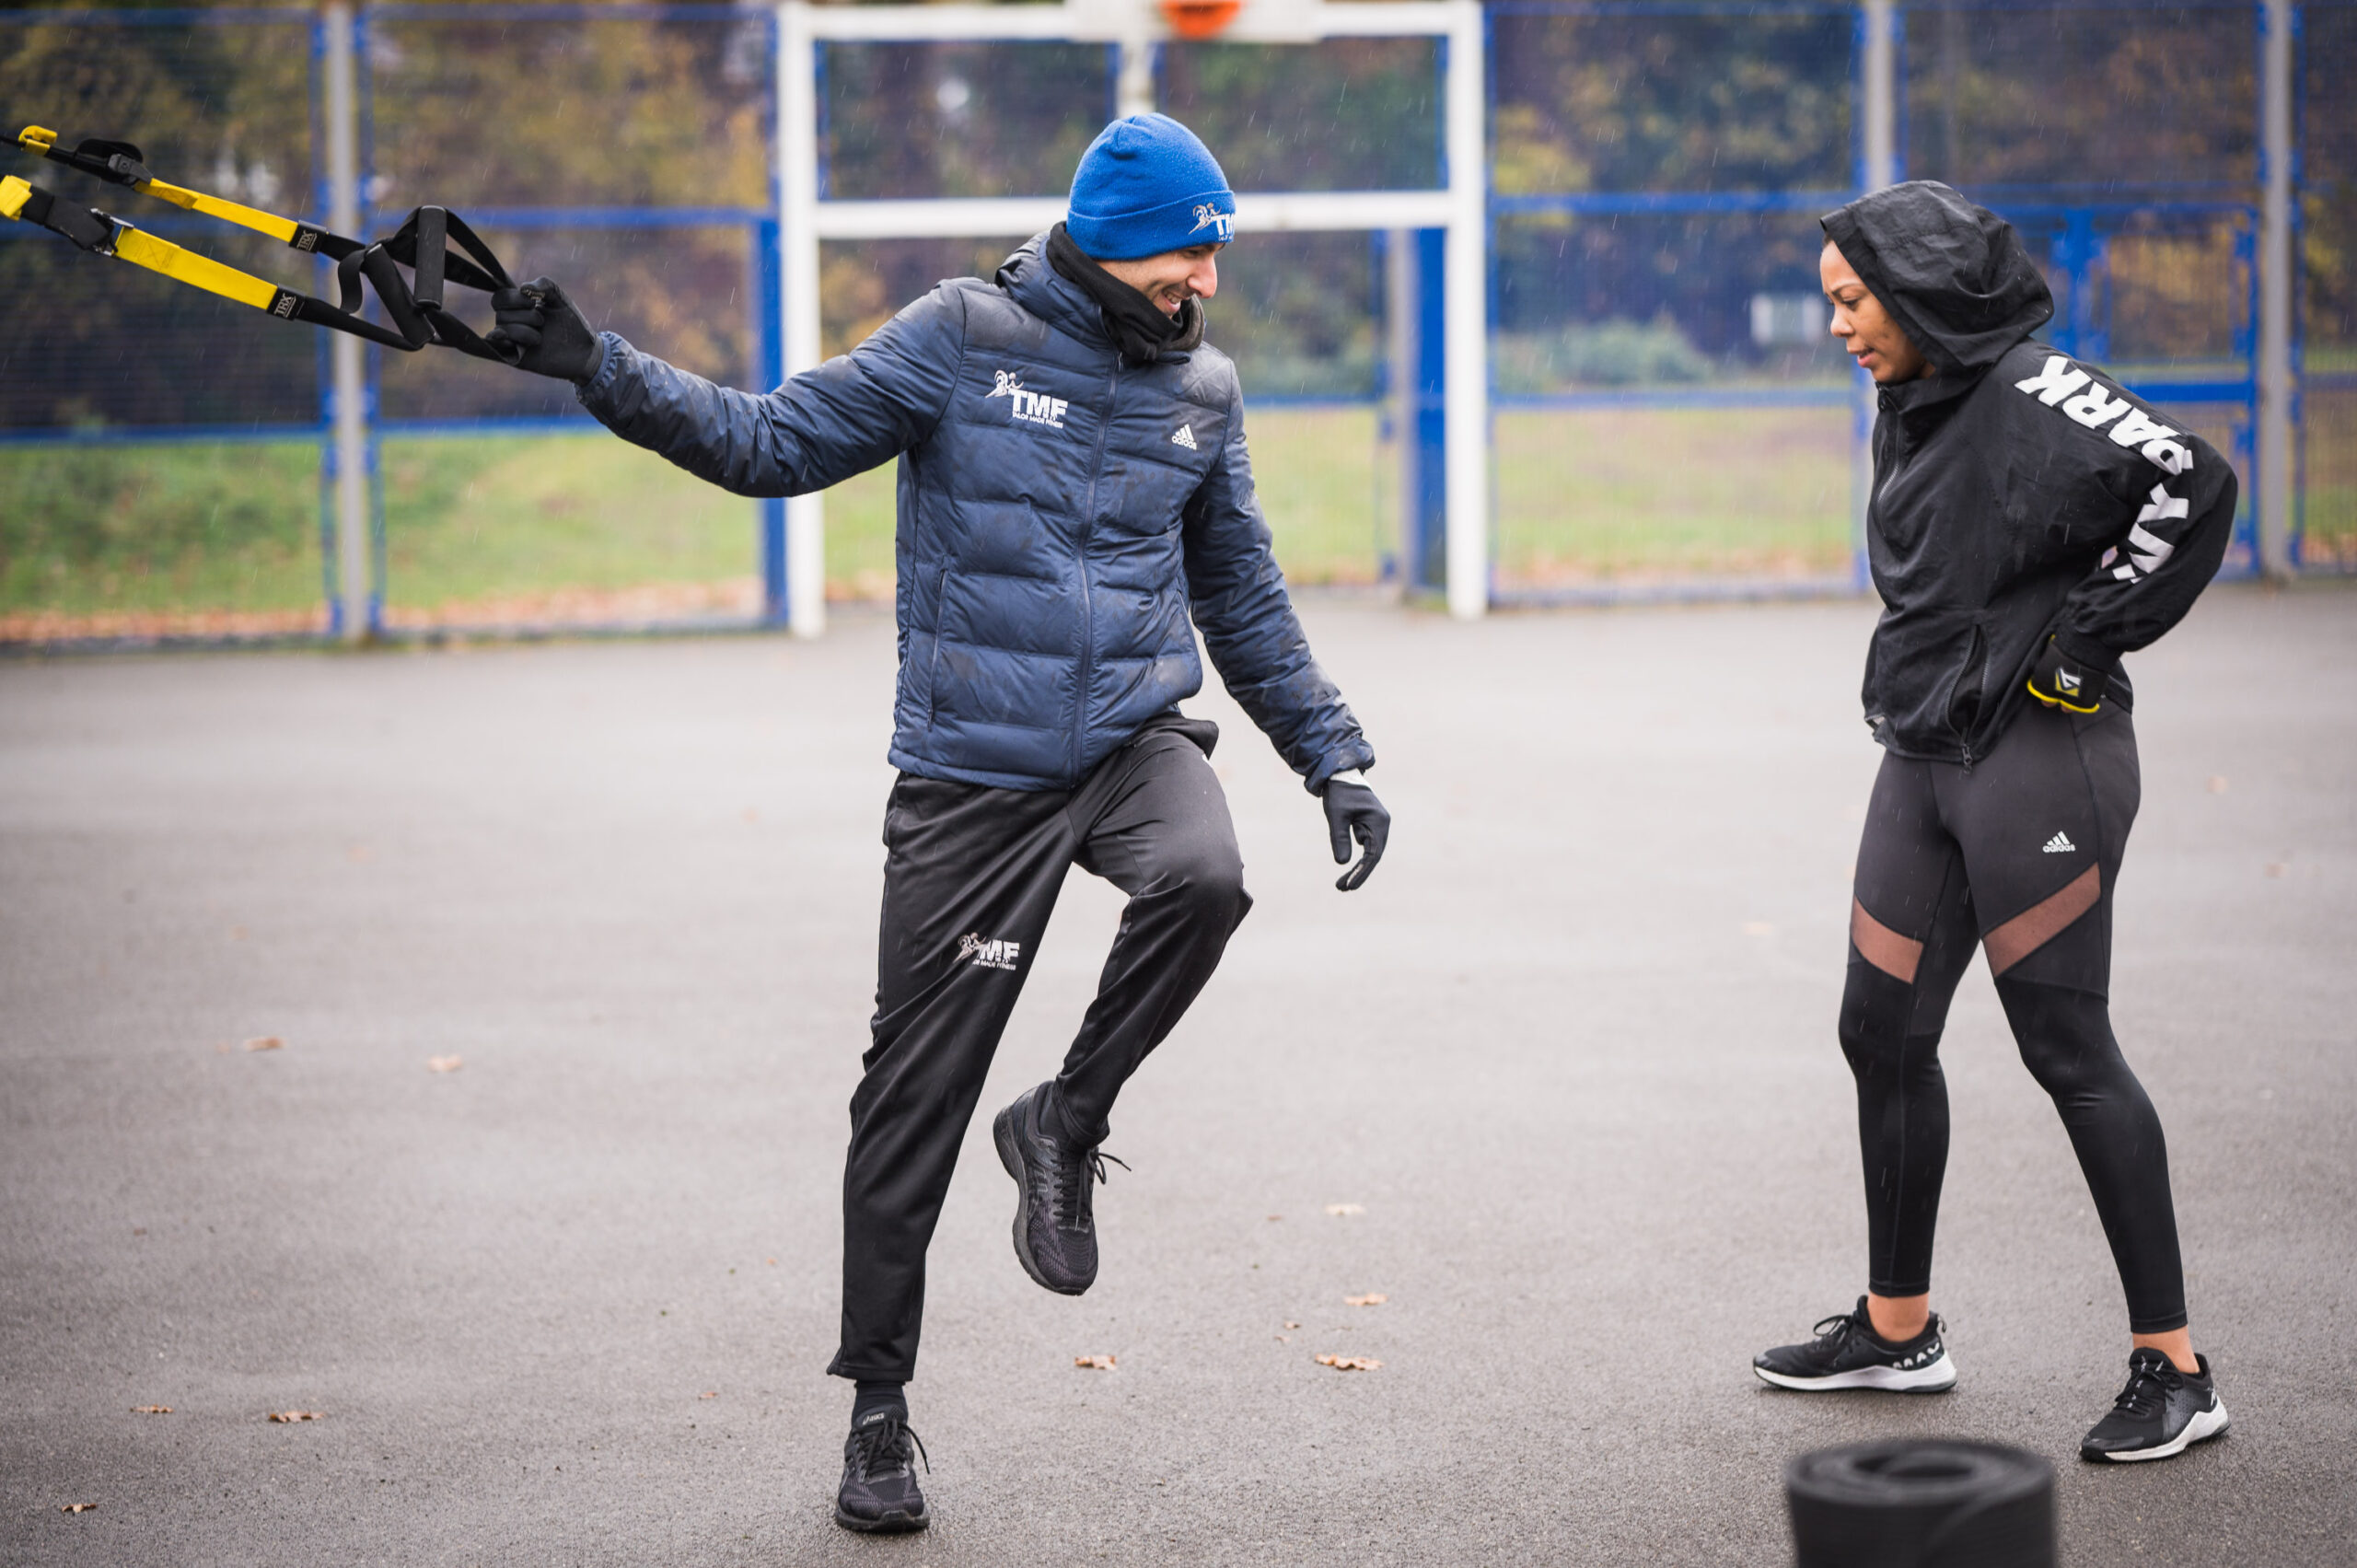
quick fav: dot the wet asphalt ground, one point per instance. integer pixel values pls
(1566, 1065)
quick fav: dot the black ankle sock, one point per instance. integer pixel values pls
(877, 1394)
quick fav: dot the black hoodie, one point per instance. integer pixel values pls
(2017, 494)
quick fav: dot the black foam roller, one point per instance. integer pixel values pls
(1921, 1503)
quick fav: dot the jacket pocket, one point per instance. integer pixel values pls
(932, 649)
(1965, 696)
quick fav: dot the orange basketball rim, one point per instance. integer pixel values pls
(1200, 18)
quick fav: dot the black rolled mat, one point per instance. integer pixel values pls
(1921, 1503)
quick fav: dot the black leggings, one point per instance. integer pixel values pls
(2018, 853)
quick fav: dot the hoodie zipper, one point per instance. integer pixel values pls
(1087, 597)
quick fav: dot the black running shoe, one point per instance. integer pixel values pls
(1055, 1233)
(880, 1494)
(1846, 1354)
(2161, 1413)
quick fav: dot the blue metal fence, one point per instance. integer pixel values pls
(1673, 186)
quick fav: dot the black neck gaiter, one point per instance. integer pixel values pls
(1143, 333)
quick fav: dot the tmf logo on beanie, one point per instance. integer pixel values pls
(1146, 185)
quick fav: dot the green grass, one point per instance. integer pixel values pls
(469, 522)
(87, 530)
(1664, 493)
(586, 527)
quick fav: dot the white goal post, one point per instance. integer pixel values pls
(1459, 207)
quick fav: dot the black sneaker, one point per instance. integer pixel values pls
(879, 1493)
(2162, 1412)
(1846, 1354)
(1055, 1233)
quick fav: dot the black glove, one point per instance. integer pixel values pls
(555, 339)
(1352, 811)
(2063, 681)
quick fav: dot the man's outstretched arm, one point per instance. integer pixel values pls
(844, 417)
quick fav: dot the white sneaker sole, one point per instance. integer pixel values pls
(1937, 1377)
(2205, 1425)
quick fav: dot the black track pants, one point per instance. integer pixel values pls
(2017, 855)
(971, 876)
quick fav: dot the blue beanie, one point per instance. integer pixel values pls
(1146, 185)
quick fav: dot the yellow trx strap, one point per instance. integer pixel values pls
(24, 202)
(418, 315)
(118, 162)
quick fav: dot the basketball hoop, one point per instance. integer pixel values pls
(1198, 19)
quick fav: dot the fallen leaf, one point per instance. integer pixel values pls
(75, 1507)
(1274, 1219)
(1094, 1363)
(708, 1394)
(265, 1042)
(2276, 868)
(445, 1064)
(296, 1415)
(1346, 1208)
(1374, 1299)
(1291, 1324)
(2217, 784)
(773, 1262)
(1349, 1363)
(1285, 1339)
(151, 1410)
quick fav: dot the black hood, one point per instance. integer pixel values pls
(1953, 274)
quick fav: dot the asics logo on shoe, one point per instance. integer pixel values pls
(1027, 407)
(2061, 844)
(1208, 215)
(1186, 437)
(991, 953)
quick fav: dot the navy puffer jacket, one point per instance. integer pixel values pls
(1061, 513)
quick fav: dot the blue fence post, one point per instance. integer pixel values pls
(1424, 494)
(769, 370)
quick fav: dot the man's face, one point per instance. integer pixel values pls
(1865, 329)
(1172, 278)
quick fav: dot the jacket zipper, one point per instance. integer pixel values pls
(1974, 659)
(1088, 609)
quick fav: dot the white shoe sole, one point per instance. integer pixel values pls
(1937, 1377)
(2205, 1425)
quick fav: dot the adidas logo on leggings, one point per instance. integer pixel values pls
(2061, 844)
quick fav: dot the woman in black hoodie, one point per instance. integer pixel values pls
(2030, 523)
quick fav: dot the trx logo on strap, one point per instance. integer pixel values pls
(284, 306)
